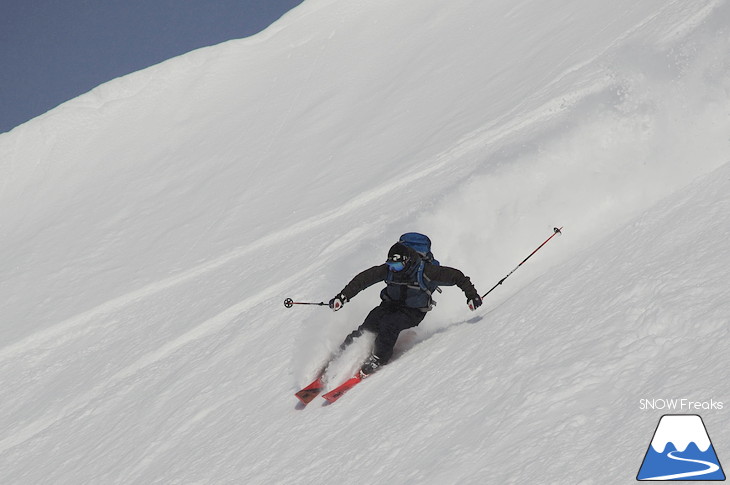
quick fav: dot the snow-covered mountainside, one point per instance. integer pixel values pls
(152, 228)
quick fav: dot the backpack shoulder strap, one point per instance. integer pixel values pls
(423, 280)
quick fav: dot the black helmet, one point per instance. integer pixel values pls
(401, 256)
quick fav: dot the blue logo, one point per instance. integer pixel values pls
(681, 450)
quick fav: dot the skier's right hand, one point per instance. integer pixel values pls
(337, 302)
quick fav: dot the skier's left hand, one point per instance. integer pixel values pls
(474, 303)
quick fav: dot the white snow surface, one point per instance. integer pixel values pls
(151, 229)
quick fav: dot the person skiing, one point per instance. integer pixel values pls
(411, 277)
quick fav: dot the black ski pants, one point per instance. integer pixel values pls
(386, 321)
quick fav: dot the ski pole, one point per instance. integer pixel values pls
(556, 230)
(290, 303)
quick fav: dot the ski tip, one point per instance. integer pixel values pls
(306, 397)
(308, 394)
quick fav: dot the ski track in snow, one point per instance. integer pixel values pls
(212, 325)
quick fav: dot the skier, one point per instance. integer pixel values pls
(410, 280)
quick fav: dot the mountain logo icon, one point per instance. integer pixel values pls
(681, 450)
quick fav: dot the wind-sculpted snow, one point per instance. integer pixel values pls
(152, 228)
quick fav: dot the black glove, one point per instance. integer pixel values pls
(474, 303)
(337, 302)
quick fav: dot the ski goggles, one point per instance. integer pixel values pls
(396, 265)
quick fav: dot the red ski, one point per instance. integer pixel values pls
(337, 392)
(307, 394)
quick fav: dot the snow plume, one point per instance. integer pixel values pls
(639, 132)
(152, 228)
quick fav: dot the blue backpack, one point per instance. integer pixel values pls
(422, 245)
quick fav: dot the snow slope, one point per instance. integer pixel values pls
(152, 227)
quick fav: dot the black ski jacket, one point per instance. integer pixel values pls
(403, 289)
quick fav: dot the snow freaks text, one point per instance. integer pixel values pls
(679, 405)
